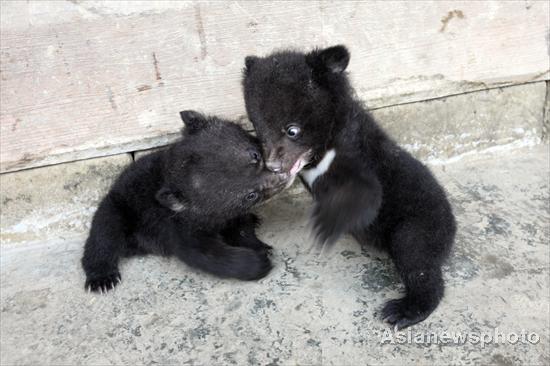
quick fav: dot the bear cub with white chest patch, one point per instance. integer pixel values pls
(309, 122)
(191, 200)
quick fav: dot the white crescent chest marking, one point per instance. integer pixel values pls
(310, 175)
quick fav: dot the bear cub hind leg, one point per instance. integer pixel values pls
(418, 256)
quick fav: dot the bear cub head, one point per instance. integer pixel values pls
(215, 172)
(294, 101)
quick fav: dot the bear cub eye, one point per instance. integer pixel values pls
(293, 131)
(255, 156)
(252, 196)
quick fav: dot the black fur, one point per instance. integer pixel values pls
(374, 190)
(192, 201)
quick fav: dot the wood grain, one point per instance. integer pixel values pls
(86, 79)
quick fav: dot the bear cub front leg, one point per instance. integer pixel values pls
(241, 232)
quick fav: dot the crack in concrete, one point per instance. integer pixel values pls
(200, 31)
(546, 114)
(480, 83)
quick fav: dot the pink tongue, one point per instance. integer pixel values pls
(295, 167)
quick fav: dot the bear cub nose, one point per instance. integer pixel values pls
(274, 166)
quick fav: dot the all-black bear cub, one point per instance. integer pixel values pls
(306, 117)
(192, 201)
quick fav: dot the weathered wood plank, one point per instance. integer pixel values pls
(84, 79)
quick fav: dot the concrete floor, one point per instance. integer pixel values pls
(311, 309)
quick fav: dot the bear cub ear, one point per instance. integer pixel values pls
(249, 61)
(194, 121)
(333, 59)
(168, 199)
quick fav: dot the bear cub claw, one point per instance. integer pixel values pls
(102, 283)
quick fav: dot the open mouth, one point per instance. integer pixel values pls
(300, 163)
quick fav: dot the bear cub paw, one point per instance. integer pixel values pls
(262, 247)
(402, 313)
(249, 265)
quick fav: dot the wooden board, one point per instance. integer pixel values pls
(85, 79)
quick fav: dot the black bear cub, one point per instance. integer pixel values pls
(305, 114)
(192, 201)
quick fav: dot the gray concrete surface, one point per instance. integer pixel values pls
(439, 129)
(311, 309)
(56, 201)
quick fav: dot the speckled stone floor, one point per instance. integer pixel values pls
(311, 309)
